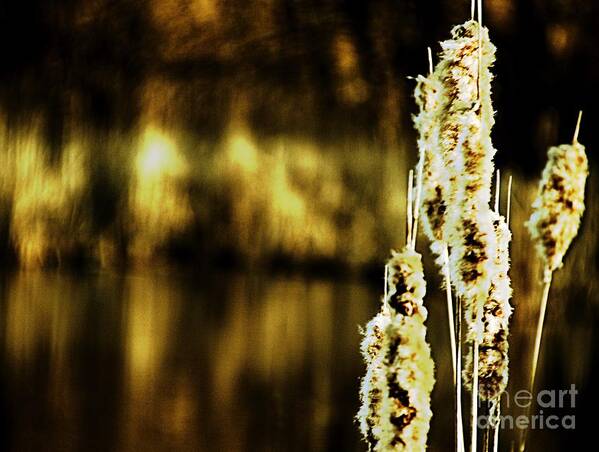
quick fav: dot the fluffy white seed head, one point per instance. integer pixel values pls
(493, 350)
(409, 368)
(466, 119)
(559, 205)
(428, 95)
(395, 393)
(466, 115)
(372, 384)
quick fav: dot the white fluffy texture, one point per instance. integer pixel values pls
(409, 368)
(374, 380)
(410, 380)
(559, 205)
(493, 352)
(395, 393)
(466, 120)
(428, 95)
(406, 286)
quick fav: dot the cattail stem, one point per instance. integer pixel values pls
(497, 190)
(480, 45)
(540, 322)
(497, 425)
(430, 61)
(537, 347)
(417, 205)
(454, 358)
(509, 201)
(450, 315)
(458, 378)
(409, 209)
(385, 301)
(474, 408)
(575, 138)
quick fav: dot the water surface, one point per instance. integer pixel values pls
(165, 360)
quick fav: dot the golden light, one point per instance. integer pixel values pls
(159, 202)
(242, 152)
(158, 156)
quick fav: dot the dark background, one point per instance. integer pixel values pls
(89, 59)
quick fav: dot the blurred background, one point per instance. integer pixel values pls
(197, 198)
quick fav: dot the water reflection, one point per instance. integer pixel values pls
(167, 361)
(157, 361)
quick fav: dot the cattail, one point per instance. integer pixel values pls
(466, 113)
(371, 388)
(406, 358)
(493, 350)
(466, 120)
(428, 95)
(555, 221)
(395, 393)
(559, 205)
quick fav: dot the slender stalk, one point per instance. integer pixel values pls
(417, 205)
(575, 139)
(537, 348)
(480, 43)
(385, 301)
(497, 190)
(450, 315)
(409, 209)
(496, 433)
(540, 322)
(454, 352)
(509, 201)
(430, 61)
(474, 408)
(458, 378)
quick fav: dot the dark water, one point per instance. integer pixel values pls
(161, 361)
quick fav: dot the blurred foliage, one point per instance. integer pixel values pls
(285, 127)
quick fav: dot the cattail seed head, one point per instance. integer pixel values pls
(395, 393)
(428, 95)
(466, 114)
(493, 350)
(406, 286)
(473, 250)
(559, 205)
(371, 388)
(466, 120)
(406, 358)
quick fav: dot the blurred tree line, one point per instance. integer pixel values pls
(331, 73)
(89, 59)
